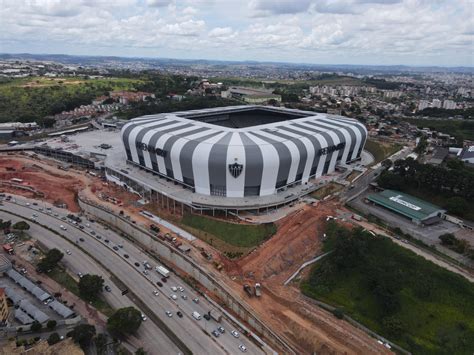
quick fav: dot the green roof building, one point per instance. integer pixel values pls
(419, 211)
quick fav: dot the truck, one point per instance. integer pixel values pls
(258, 290)
(163, 271)
(248, 290)
(217, 316)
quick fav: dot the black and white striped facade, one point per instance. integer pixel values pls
(240, 162)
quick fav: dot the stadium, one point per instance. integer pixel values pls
(243, 156)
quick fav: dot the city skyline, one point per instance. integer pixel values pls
(352, 32)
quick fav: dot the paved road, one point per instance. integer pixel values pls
(151, 336)
(196, 334)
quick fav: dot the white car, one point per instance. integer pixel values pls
(173, 296)
(63, 228)
(174, 288)
(180, 288)
(68, 252)
(156, 293)
(143, 317)
(235, 333)
(242, 348)
(169, 314)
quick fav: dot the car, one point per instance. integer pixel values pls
(68, 252)
(35, 215)
(98, 237)
(80, 275)
(180, 288)
(107, 288)
(35, 204)
(120, 246)
(242, 348)
(106, 240)
(63, 218)
(184, 297)
(216, 333)
(55, 215)
(143, 317)
(156, 293)
(221, 330)
(196, 300)
(235, 333)
(137, 264)
(145, 272)
(169, 314)
(92, 232)
(163, 279)
(81, 226)
(180, 315)
(207, 316)
(27, 203)
(173, 296)
(125, 256)
(159, 283)
(174, 288)
(115, 248)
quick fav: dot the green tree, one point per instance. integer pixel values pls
(21, 225)
(54, 338)
(448, 239)
(51, 324)
(50, 261)
(140, 351)
(36, 326)
(124, 321)
(457, 205)
(5, 224)
(83, 334)
(100, 343)
(90, 286)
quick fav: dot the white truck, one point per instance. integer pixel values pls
(258, 289)
(163, 271)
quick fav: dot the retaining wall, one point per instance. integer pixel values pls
(185, 263)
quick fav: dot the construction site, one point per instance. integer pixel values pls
(296, 318)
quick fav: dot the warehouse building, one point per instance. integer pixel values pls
(418, 211)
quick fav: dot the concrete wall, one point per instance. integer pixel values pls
(169, 255)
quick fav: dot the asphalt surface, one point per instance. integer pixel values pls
(196, 334)
(79, 261)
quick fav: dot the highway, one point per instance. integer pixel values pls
(195, 333)
(151, 336)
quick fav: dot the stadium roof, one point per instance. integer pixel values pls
(406, 205)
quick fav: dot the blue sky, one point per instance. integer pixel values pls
(380, 32)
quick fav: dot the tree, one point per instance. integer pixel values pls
(90, 286)
(83, 334)
(124, 321)
(100, 343)
(5, 224)
(448, 239)
(51, 324)
(457, 205)
(50, 260)
(393, 326)
(54, 338)
(387, 163)
(140, 351)
(36, 326)
(21, 225)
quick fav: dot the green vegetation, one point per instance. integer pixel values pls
(54, 338)
(32, 99)
(51, 324)
(63, 278)
(90, 287)
(451, 187)
(83, 335)
(444, 113)
(235, 234)
(420, 306)
(36, 326)
(381, 151)
(460, 129)
(124, 321)
(460, 246)
(50, 261)
(21, 225)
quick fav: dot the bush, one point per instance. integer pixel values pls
(51, 324)
(457, 205)
(36, 326)
(338, 313)
(124, 321)
(54, 338)
(21, 225)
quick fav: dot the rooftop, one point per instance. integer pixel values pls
(405, 204)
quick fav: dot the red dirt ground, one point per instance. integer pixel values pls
(308, 328)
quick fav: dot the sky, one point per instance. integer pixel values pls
(372, 32)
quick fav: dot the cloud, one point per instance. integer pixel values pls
(159, 3)
(280, 6)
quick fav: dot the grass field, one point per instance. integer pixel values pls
(431, 309)
(381, 151)
(225, 234)
(64, 279)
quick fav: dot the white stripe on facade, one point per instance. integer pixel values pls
(235, 154)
